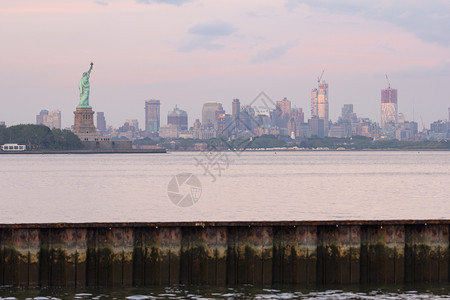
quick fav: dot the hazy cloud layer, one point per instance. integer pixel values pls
(186, 53)
(172, 2)
(103, 3)
(429, 20)
(214, 28)
(440, 70)
(272, 53)
(204, 36)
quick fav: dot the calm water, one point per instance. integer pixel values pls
(253, 186)
(242, 292)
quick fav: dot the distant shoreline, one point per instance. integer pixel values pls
(343, 150)
(131, 151)
(162, 150)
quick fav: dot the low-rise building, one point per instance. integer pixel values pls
(169, 131)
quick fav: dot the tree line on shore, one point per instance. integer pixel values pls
(37, 137)
(272, 141)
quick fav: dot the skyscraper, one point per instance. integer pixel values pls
(314, 104)
(41, 116)
(133, 123)
(347, 112)
(224, 125)
(284, 106)
(50, 119)
(346, 122)
(54, 119)
(319, 103)
(247, 118)
(178, 117)
(322, 102)
(210, 114)
(294, 124)
(316, 126)
(101, 122)
(235, 110)
(197, 124)
(152, 115)
(388, 107)
(284, 112)
(220, 111)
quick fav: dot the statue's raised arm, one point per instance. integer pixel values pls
(84, 88)
(90, 69)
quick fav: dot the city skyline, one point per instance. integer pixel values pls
(221, 51)
(318, 108)
(320, 95)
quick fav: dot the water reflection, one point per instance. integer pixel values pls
(256, 186)
(239, 292)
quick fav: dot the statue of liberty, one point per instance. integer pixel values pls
(84, 88)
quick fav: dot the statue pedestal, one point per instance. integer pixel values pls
(84, 124)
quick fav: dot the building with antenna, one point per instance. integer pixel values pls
(319, 102)
(389, 107)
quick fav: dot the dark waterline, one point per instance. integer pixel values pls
(423, 291)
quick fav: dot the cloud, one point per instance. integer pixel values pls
(200, 43)
(271, 53)
(172, 2)
(429, 21)
(442, 69)
(102, 3)
(214, 28)
(204, 36)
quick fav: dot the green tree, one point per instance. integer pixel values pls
(66, 140)
(40, 137)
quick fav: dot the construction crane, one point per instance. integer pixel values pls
(423, 125)
(387, 79)
(320, 77)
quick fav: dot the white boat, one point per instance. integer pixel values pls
(13, 147)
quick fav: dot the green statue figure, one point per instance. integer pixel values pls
(84, 88)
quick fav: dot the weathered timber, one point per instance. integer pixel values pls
(224, 253)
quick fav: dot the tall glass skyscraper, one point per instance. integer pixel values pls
(152, 115)
(319, 103)
(323, 103)
(389, 109)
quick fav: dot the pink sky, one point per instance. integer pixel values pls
(197, 51)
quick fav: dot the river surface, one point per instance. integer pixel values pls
(441, 291)
(256, 185)
(227, 186)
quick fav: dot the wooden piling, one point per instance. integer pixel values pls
(224, 253)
